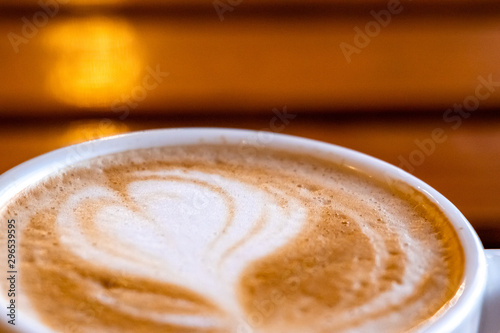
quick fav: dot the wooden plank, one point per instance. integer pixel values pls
(93, 64)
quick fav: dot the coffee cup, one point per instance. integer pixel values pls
(38, 267)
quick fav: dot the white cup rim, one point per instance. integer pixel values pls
(473, 284)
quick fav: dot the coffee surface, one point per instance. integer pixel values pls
(214, 238)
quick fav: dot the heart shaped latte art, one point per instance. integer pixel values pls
(176, 227)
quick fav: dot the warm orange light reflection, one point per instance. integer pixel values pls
(80, 131)
(97, 60)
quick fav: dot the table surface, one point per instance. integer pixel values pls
(416, 85)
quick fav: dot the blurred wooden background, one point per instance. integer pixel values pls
(415, 83)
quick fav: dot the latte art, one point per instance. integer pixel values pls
(158, 231)
(207, 239)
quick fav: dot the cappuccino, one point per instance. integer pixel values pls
(216, 238)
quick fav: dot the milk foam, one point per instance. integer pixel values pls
(207, 239)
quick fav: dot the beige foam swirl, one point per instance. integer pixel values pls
(204, 239)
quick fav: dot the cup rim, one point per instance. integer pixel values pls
(473, 282)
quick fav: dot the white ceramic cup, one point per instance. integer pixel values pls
(481, 283)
